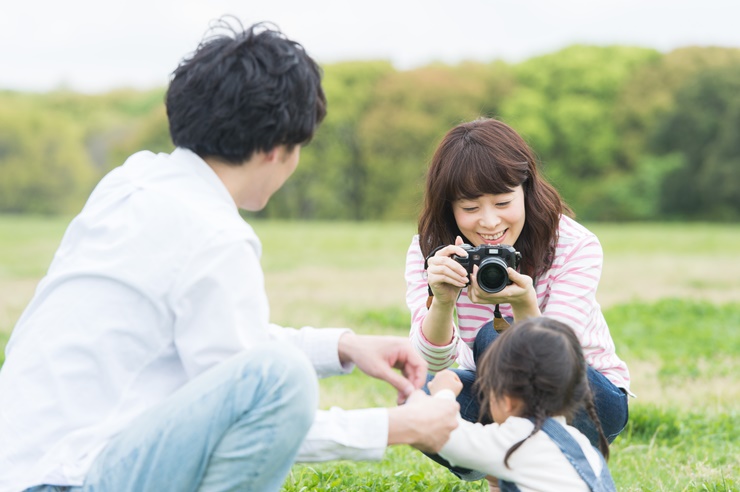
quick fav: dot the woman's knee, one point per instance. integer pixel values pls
(610, 402)
(619, 419)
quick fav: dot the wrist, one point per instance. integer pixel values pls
(442, 304)
(527, 306)
(348, 344)
(445, 394)
(399, 429)
(438, 327)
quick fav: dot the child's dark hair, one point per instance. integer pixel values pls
(540, 362)
(244, 90)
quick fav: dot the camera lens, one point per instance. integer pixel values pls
(492, 276)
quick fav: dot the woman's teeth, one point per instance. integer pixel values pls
(492, 237)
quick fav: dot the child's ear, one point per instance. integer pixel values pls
(513, 406)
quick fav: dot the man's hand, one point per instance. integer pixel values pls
(423, 422)
(378, 356)
(445, 380)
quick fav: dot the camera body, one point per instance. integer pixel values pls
(492, 263)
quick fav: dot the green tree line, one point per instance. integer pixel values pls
(625, 133)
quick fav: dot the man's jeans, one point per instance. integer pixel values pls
(238, 426)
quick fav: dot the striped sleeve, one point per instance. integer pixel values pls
(573, 284)
(437, 356)
(567, 293)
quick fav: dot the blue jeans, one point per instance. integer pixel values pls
(238, 426)
(610, 402)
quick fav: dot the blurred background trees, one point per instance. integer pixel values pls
(625, 133)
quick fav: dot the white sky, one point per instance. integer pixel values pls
(97, 45)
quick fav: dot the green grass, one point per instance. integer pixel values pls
(665, 447)
(403, 469)
(691, 339)
(676, 239)
(673, 308)
(670, 449)
(357, 246)
(3, 343)
(650, 456)
(660, 450)
(27, 244)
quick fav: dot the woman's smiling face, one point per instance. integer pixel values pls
(491, 219)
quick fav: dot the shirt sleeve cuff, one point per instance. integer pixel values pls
(445, 394)
(322, 348)
(321, 345)
(433, 346)
(337, 434)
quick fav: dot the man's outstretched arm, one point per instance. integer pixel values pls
(422, 422)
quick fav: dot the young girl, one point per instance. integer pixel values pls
(531, 381)
(483, 188)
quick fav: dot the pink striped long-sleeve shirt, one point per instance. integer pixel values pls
(566, 292)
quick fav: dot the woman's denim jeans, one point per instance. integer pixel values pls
(610, 402)
(238, 426)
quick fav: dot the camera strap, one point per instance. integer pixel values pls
(499, 322)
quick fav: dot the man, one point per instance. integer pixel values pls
(145, 360)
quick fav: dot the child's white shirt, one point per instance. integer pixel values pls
(537, 465)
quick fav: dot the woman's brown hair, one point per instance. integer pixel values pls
(540, 362)
(486, 156)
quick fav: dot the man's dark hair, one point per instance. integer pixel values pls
(242, 91)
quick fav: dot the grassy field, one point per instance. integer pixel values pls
(671, 294)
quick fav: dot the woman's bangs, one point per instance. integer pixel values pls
(474, 176)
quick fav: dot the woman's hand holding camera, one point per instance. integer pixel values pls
(445, 276)
(520, 294)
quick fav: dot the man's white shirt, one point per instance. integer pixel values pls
(155, 281)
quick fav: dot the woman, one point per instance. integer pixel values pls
(483, 189)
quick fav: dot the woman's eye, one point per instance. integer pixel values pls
(503, 204)
(470, 209)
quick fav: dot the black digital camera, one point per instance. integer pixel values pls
(492, 263)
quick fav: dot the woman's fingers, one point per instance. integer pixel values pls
(446, 273)
(518, 289)
(452, 249)
(456, 281)
(446, 262)
(519, 279)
